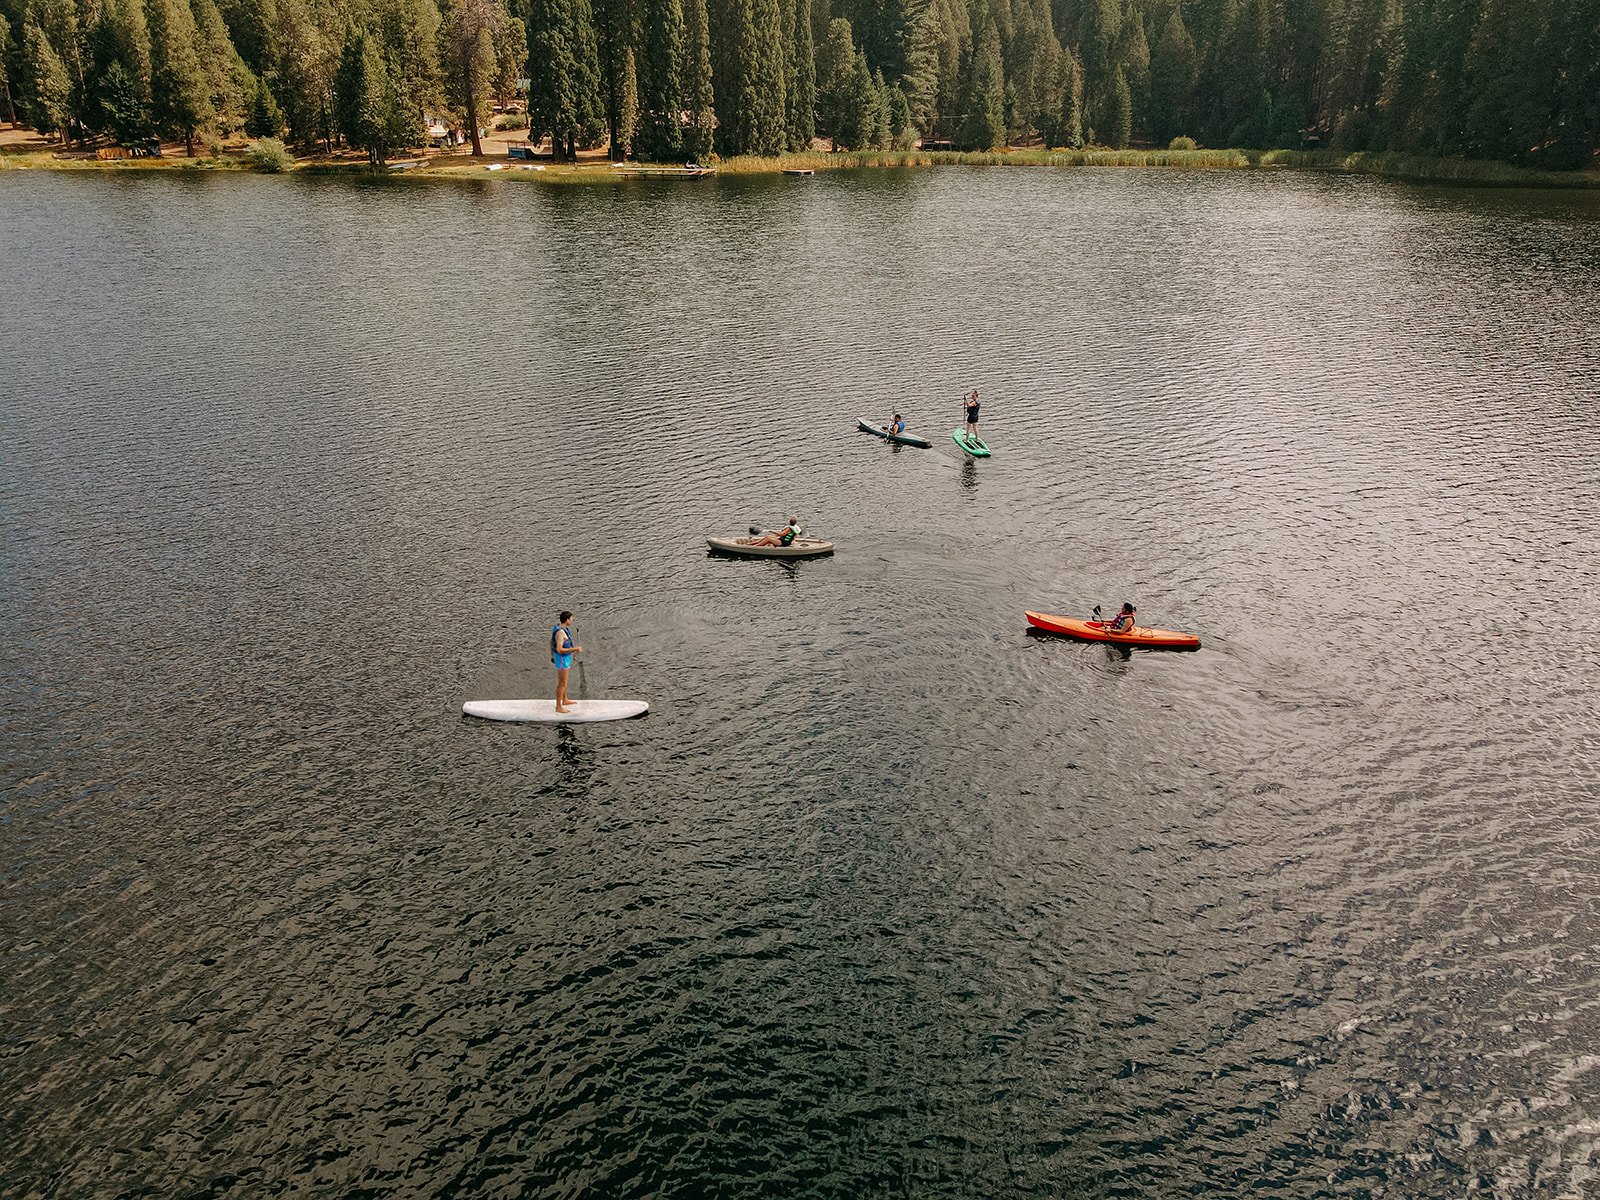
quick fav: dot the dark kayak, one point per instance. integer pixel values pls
(905, 439)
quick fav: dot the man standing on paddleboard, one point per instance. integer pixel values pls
(561, 651)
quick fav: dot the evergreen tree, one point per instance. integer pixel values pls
(800, 89)
(1174, 70)
(660, 72)
(120, 98)
(902, 132)
(920, 82)
(308, 55)
(409, 39)
(1509, 81)
(983, 123)
(882, 29)
(1100, 29)
(5, 69)
(1133, 55)
(510, 57)
(836, 64)
(882, 131)
(614, 33)
(371, 105)
(1574, 40)
(179, 88)
(253, 26)
(955, 44)
(1068, 131)
(698, 90)
(1119, 113)
(564, 85)
(627, 109)
(48, 90)
(1427, 85)
(467, 45)
(74, 37)
(1032, 66)
(759, 128)
(858, 109)
(230, 83)
(266, 118)
(727, 20)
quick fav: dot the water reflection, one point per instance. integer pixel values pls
(969, 473)
(577, 762)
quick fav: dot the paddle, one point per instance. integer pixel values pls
(583, 675)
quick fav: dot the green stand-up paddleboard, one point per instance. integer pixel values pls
(973, 446)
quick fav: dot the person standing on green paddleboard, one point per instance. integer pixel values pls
(562, 648)
(970, 404)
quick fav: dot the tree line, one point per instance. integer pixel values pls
(663, 80)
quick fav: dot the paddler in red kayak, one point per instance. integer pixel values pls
(1123, 621)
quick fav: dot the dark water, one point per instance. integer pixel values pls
(885, 897)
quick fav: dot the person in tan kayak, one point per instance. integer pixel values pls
(780, 537)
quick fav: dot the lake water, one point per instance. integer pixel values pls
(885, 897)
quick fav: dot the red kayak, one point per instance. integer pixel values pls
(1096, 631)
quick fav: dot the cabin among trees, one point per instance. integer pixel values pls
(670, 80)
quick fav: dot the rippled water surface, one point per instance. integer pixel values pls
(885, 897)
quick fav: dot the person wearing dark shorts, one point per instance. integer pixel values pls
(971, 406)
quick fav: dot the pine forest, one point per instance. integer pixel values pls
(671, 80)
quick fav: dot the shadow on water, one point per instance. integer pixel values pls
(1113, 653)
(969, 474)
(576, 771)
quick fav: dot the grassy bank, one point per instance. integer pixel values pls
(855, 159)
(1416, 168)
(1466, 172)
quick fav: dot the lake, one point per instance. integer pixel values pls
(885, 896)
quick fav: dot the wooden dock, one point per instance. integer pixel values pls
(627, 171)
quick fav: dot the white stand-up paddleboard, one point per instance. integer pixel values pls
(545, 710)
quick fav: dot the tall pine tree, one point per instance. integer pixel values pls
(47, 94)
(564, 87)
(179, 90)
(1174, 70)
(800, 87)
(983, 121)
(699, 133)
(660, 69)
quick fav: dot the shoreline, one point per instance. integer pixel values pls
(1386, 164)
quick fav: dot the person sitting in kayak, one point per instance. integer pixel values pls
(971, 407)
(897, 425)
(779, 537)
(1123, 621)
